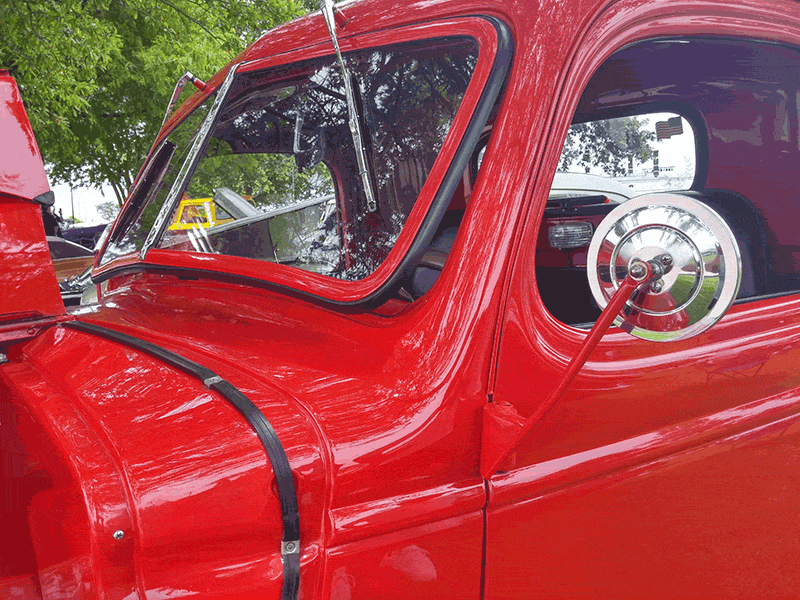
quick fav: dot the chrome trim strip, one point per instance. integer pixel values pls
(171, 202)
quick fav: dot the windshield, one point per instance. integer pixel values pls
(153, 186)
(277, 179)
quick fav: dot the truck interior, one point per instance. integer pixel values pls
(731, 109)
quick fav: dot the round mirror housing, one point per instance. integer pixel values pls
(693, 255)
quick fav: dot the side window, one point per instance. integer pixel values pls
(713, 130)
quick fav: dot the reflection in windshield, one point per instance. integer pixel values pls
(153, 186)
(281, 146)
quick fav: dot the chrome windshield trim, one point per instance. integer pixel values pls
(160, 224)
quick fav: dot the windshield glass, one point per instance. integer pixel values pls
(154, 184)
(278, 178)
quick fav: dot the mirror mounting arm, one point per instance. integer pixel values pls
(492, 456)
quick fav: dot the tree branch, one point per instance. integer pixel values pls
(193, 20)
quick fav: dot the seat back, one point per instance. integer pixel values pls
(748, 228)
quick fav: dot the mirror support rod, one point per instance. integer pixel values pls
(354, 117)
(492, 456)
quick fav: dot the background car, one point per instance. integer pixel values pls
(85, 235)
(69, 258)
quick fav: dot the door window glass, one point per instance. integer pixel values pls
(716, 130)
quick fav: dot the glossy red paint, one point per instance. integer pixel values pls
(29, 290)
(21, 172)
(27, 275)
(663, 470)
(623, 485)
(495, 454)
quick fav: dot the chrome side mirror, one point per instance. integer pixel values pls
(663, 267)
(692, 252)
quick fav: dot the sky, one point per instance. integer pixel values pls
(84, 200)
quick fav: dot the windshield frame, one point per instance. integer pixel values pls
(494, 45)
(200, 140)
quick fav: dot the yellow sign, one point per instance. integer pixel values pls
(197, 212)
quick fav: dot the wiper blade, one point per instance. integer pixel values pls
(355, 118)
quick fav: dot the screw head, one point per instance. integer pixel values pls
(666, 260)
(638, 270)
(119, 534)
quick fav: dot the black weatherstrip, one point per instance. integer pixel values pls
(290, 545)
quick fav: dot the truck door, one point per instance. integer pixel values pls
(667, 469)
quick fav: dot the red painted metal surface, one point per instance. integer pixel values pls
(663, 471)
(27, 280)
(659, 473)
(21, 171)
(27, 276)
(493, 454)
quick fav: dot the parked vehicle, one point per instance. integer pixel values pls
(73, 265)
(68, 258)
(585, 398)
(85, 235)
(224, 207)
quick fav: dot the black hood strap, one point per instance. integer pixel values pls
(290, 544)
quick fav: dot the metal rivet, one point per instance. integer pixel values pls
(290, 547)
(119, 534)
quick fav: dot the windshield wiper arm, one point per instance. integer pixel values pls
(355, 119)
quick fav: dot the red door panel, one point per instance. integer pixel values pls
(667, 470)
(718, 520)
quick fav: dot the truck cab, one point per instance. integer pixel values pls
(510, 311)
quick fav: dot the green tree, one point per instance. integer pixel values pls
(96, 75)
(608, 144)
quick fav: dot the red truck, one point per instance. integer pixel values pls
(423, 369)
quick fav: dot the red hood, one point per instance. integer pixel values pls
(28, 287)
(21, 171)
